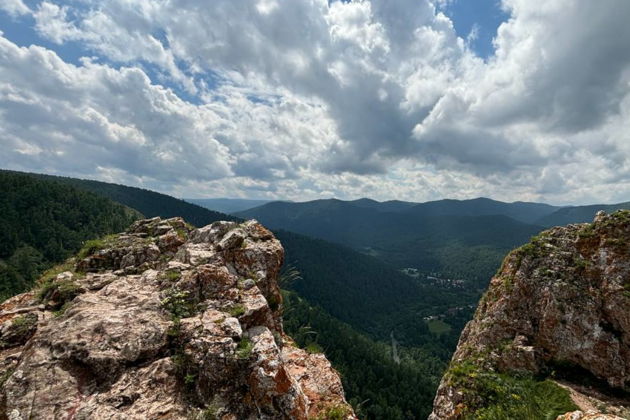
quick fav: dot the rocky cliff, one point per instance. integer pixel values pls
(551, 337)
(162, 322)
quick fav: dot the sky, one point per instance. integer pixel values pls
(410, 99)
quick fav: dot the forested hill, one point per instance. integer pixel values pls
(372, 296)
(149, 203)
(43, 222)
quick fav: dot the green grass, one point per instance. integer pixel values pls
(528, 400)
(587, 231)
(6, 375)
(437, 326)
(59, 312)
(172, 275)
(236, 310)
(22, 327)
(335, 412)
(313, 348)
(62, 291)
(46, 279)
(23, 322)
(92, 246)
(501, 396)
(244, 348)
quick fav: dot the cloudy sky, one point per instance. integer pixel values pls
(304, 99)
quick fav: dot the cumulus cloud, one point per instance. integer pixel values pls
(553, 94)
(14, 7)
(310, 98)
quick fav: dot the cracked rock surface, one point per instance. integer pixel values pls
(558, 305)
(162, 321)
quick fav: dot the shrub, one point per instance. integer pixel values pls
(244, 348)
(236, 310)
(335, 412)
(179, 303)
(313, 348)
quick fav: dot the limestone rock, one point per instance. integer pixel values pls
(559, 303)
(162, 321)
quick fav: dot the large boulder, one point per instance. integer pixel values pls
(162, 321)
(559, 308)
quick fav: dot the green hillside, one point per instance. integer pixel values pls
(372, 296)
(521, 211)
(44, 222)
(149, 203)
(226, 205)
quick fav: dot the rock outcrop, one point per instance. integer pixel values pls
(162, 322)
(556, 317)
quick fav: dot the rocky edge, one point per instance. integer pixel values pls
(163, 321)
(558, 309)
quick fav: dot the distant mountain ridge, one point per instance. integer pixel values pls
(521, 211)
(227, 205)
(527, 212)
(461, 238)
(579, 214)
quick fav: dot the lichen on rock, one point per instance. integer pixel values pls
(162, 321)
(557, 311)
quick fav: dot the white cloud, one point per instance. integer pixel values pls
(302, 98)
(14, 7)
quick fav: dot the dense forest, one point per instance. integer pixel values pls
(149, 203)
(372, 296)
(44, 222)
(375, 384)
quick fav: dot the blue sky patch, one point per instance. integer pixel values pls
(482, 16)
